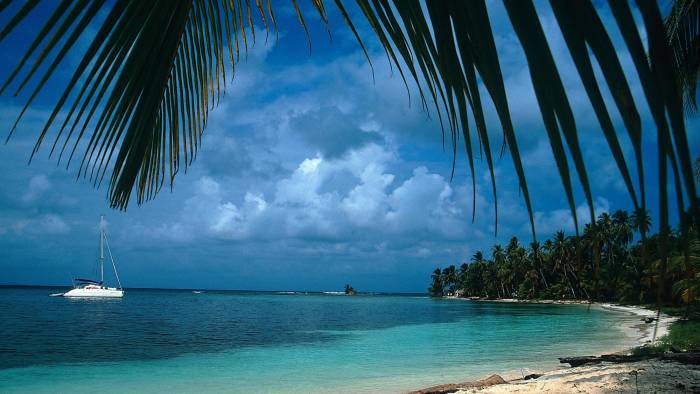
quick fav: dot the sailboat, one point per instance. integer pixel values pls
(93, 288)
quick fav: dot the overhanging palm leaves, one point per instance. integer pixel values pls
(683, 31)
(155, 68)
(144, 87)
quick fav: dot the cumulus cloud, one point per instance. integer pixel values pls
(38, 184)
(372, 206)
(44, 224)
(308, 158)
(549, 222)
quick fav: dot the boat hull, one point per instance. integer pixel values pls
(95, 293)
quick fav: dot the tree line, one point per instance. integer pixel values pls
(603, 263)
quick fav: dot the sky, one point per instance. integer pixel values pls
(312, 174)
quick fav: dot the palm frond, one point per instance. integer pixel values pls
(144, 87)
(445, 69)
(142, 92)
(683, 33)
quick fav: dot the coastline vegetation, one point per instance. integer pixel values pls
(683, 336)
(603, 263)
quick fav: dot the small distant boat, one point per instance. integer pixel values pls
(94, 288)
(197, 291)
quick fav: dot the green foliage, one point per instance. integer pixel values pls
(436, 288)
(602, 264)
(652, 349)
(684, 335)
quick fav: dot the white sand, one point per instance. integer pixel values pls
(644, 377)
(653, 376)
(643, 331)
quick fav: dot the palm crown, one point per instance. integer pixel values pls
(145, 127)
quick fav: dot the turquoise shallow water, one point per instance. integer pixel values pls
(176, 341)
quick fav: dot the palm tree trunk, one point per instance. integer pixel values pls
(568, 281)
(596, 254)
(544, 279)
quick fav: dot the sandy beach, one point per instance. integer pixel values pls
(647, 376)
(651, 376)
(644, 332)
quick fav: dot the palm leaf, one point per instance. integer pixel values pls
(145, 127)
(683, 33)
(139, 123)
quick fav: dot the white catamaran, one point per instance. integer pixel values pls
(94, 288)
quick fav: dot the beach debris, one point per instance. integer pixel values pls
(609, 358)
(452, 387)
(648, 319)
(635, 373)
(532, 376)
(684, 358)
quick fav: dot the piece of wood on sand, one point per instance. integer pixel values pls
(452, 387)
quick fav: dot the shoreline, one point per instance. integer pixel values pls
(602, 377)
(643, 332)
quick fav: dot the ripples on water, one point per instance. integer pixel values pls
(326, 336)
(151, 324)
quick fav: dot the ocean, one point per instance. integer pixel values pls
(286, 342)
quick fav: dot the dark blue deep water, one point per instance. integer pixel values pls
(286, 342)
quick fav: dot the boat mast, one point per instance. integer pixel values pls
(102, 251)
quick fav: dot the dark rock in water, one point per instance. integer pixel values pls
(648, 319)
(532, 376)
(452, 387)
(349, 290)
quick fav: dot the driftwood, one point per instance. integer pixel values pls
(452, 387)
(685, 358)
(532, 376)
(608, 358)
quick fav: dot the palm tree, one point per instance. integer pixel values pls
(689, 262)
(449, 277)
(479, 274)
(573, 267)
(537, 257)
(498, 256)
(146, 127)
(595, 239)
(436, 288)
(622, 227)
(560, 256)
(463, 275)
(641, 222)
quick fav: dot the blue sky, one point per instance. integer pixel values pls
(311, 176)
